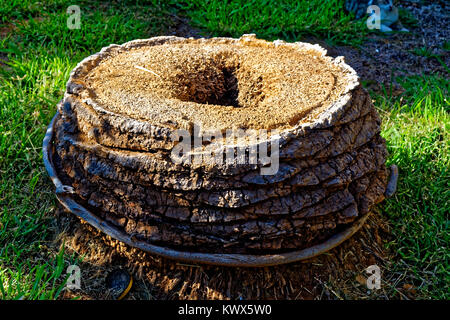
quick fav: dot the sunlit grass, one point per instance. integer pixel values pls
(39, 53)
(417, 129)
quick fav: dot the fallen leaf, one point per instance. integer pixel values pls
(410, 288)
(361, 279)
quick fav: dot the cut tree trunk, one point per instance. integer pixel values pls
(112, 145)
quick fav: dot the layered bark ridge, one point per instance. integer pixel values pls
(113, 143)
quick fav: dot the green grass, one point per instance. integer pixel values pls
(272, 19)
(407, 18)
(428, 53)
(25, 9)
(423, 52)
(38, 51)
(31, 280)
(417, 129)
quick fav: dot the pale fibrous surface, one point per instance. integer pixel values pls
(113, 143)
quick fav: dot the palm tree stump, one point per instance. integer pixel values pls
(110, 148)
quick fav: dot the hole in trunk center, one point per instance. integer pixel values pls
(216, 86)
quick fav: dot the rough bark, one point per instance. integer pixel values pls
(331, 156)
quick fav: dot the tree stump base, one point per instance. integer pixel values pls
(112, 153)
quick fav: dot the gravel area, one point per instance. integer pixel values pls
(421, 51)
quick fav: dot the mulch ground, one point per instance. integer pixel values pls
(384, 57)
(337, 274)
